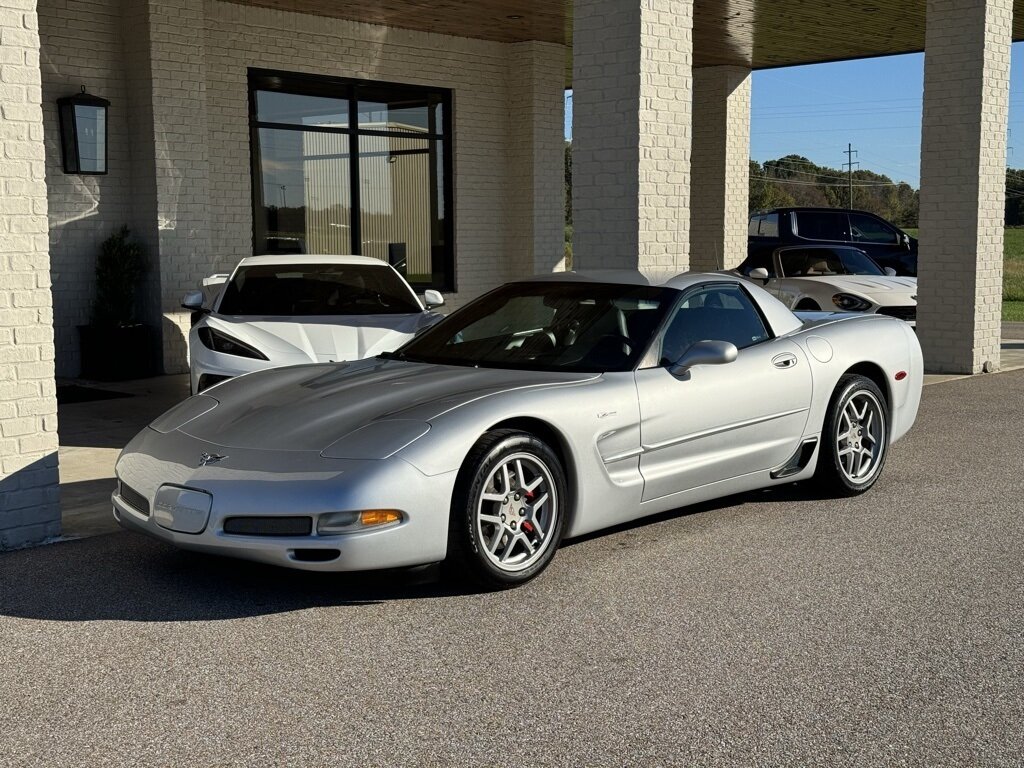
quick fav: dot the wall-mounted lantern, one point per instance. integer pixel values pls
(83, 133)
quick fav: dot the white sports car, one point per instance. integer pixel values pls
(834, 278)
(286, 310)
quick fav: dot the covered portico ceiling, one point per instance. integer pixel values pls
(753, 33)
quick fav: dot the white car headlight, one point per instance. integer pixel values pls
(850, 303)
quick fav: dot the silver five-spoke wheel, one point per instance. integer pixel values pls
(859, 438)
(508, 510)
(516, 511)
(855, 437)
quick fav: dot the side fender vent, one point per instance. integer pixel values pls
(798, 461)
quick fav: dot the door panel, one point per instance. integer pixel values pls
(722, 421)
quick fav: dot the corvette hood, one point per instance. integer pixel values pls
(306, 408)
(323, 339)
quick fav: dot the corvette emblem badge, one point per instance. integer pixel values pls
(210, 458)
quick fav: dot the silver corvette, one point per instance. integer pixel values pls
(545, 409)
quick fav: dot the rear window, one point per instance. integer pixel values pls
(303, 290)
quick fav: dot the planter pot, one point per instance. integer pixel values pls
(117, 353)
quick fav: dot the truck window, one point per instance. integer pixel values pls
(763, 225)
(868, 229)
(822, 225)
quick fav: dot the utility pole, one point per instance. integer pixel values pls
(850, 152)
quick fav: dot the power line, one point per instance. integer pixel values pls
(801, 182)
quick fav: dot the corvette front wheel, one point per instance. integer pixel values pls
(507, 515)
(855, 437)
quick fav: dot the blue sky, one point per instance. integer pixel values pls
(875, 104)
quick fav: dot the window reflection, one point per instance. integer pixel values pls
(307, 206)
(352, 168)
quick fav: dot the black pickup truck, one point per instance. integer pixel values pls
(888, 245)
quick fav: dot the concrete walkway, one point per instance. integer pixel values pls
(93, 433)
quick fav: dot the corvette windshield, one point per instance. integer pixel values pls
(303, 290)
(821, 262)
(558, 326)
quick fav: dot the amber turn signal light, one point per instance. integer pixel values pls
(371, 517)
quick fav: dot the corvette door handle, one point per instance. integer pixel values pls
(785, 360)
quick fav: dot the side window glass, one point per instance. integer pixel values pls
(822, 225)
(867, 229)
(753, 226)
(712, 313)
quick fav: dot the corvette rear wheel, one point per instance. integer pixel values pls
(855, 437)
(507, 515)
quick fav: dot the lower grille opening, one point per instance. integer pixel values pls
(316, 555)
(207, 380)
(269, 526)
(133, 498)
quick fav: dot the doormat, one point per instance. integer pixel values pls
(68, 394)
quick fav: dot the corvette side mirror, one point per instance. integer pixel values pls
(704, 353)
(432, 298)
(890, 272)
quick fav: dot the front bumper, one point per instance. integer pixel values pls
(254, 483)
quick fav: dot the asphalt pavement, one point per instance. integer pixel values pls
(774, 628)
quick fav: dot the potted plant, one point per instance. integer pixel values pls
(115, 345)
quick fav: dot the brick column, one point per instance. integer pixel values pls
(29, 503)
(536, 118)
(720, 168)
(963, 161)
(167, 90)
(632, 85)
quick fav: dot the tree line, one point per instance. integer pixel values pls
(794, 180)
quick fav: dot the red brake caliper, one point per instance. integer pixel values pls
(527, 525)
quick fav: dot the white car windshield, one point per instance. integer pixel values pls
(819, 262)
(304, 290)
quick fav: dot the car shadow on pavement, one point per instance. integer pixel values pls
(126, 577)
(791, 492)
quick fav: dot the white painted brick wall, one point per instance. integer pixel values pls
(632, 86)
(720, 168)
(536, 119)
(963, 157)
(82, 46)
(29, 503)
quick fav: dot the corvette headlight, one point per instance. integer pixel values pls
(220, 342)
(351, 522)
(850, 303)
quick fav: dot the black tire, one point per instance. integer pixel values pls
(833, 473)
(468, 556)
(807, 305)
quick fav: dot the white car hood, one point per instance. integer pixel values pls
(870, 285)
(323, 339)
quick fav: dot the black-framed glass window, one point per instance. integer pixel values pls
(348, 166)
